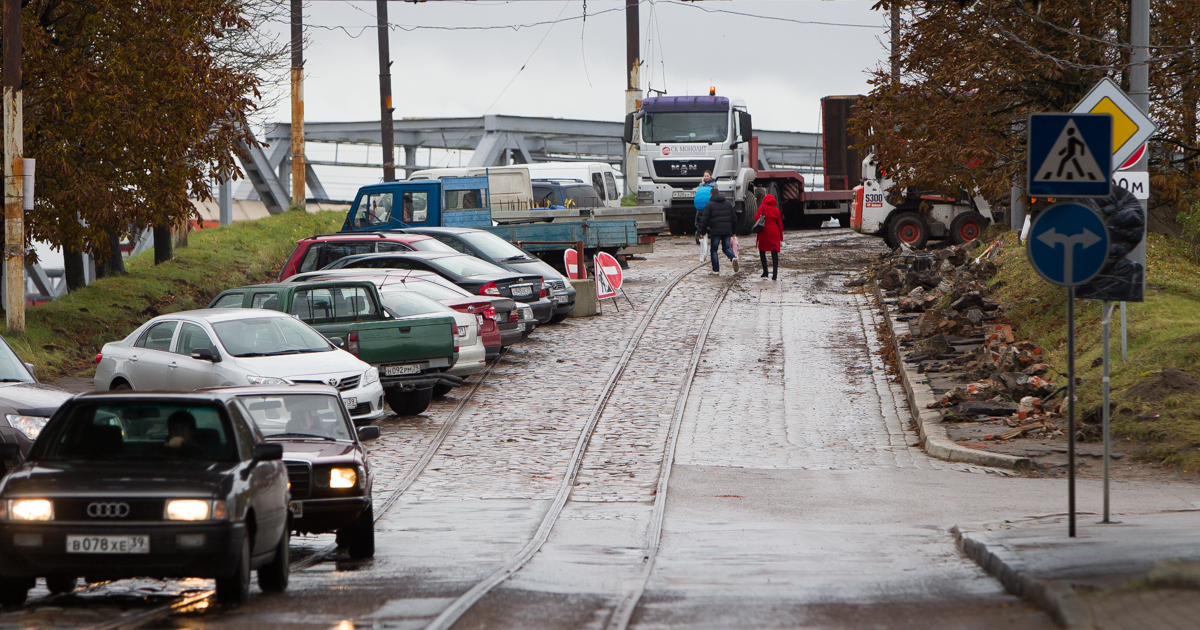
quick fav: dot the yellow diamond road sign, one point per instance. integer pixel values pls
(1131, 127)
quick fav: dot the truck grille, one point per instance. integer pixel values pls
(682, 168)
(300, 478)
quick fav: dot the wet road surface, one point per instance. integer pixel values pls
(796, 497)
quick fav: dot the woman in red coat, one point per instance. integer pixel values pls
(771, 236)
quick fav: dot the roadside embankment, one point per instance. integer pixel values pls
(62, 337)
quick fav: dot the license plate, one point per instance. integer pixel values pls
(351, 402)
(522, 291)
(683, 194)
(297, 508)
(399, 370)
(108, 544)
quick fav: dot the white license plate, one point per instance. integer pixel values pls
(351, 402)
(108, 544)
(683, 194)
(297, 508)
(399, 370)
(522, 291)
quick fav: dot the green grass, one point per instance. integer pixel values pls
(62, 337)
(1164, 331)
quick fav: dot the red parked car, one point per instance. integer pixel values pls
(315, 252)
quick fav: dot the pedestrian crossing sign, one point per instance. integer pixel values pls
(1070, 155)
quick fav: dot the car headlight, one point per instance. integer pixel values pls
(370, 376)
(32, 510)
(186, 510)
(267, 380)
(343, 477)
(31, 426)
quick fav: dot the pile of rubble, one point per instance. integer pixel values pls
(948, 292)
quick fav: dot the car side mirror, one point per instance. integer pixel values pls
(205, 354)
(338, 342)
(32, 369)
(268, 452)
(368, 433)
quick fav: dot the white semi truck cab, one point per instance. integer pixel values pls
(680, 137)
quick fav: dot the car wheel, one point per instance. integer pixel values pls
(409, 403)
(967, 227)
(273, 577)
(909, 228)
(359, 537)
(58, 584)
(440, 391)
(13, 591)
(559, 317)
(121, 386)
(234, 590)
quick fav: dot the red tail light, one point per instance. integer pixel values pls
(454, 335)
(489, 289)
(489, 313)
(352, 342)
(544, 292)
(98, 357)
(513, 316)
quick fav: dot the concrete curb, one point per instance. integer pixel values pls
(933, 434)
(1056, 597)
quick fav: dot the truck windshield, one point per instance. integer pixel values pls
(666, 127)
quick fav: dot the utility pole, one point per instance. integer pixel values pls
(895, 42)
(14, 214)
(385, 94)
(633, 91)
(298, 104)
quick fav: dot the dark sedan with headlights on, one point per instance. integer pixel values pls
(121, 485)
(25, 404)
(327, 465)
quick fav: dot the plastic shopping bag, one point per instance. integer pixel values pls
(704, 248)
(733, 244)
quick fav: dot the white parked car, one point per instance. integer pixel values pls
(235, 346)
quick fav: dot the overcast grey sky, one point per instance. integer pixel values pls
(575, 69)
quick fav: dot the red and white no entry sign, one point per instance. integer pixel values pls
(571, 261)
(608, 275)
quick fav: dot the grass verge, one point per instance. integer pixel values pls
(62, 337)
(1163, 332)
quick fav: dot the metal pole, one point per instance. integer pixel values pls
(1071, 411)
(1139, 93)
(225, 201)
(633, 92)
(1108, 311)
(14, 215)
(1017, 208)
(298, 104)
(1124, 337)
(895, 42)
(386, 131)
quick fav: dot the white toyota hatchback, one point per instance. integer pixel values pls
(231, 347)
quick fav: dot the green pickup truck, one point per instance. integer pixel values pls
(411, 352)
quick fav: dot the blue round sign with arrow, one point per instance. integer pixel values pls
(1068, 244)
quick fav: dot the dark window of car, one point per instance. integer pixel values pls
(337, 251)
(429, 245)
(493, 247)
(598, 184)
(582, 197)
(268, 301)
(373, 209)
(353, 303)
(453, 243)
(230, 300)
(193, 337)
(245, 433)
(313, 306)
(610, 183)
(382, 263)
(392, 246)
(543, 197)
(158, 337)
(298, 415)
(310, 258)
(137, 432)
(467, 266)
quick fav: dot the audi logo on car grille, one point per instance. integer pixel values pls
(108, 510)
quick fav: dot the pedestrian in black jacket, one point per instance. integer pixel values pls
(717, 221)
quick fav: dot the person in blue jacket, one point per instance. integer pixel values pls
(703, 195)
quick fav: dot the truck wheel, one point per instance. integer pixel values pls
(967, 227)
(749, 209)
(408, 403)
(677, 227)
(908, 228)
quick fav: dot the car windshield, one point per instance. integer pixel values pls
(404, 303)
(492, 246)
(298, 416)
(429, 245)
(466, 266)
(431, 290)
(11, 368)
(264, 336)
(138, 431)
(666, 127)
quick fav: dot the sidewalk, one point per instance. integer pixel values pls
(1141, 572)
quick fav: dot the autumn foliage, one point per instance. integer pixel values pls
(131, 106)
(970, 76)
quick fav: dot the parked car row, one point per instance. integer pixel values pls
(214, 434)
